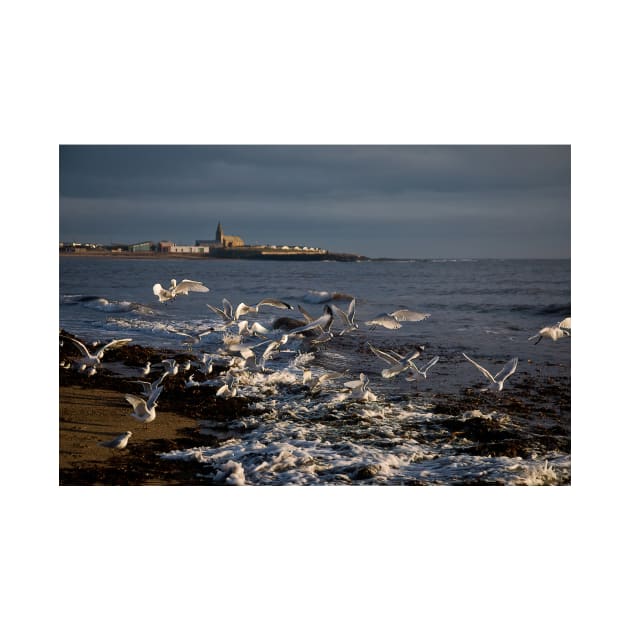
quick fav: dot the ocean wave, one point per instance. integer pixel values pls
(98, 303)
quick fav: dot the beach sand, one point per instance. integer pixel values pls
(89, 416)
(93, 410)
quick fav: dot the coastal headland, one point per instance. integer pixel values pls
(241, 253)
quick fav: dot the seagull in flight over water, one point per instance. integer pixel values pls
(392, 320)
(498, 380)
(164, 295)
(555, 332)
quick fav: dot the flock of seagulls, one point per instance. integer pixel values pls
(248, 347)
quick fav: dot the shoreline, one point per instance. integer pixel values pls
(93, 409)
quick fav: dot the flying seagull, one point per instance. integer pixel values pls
(144, 410)
(347, 317)
(555, 332)
(164, 295)
(244, 309)
(392, 320)
(90, 359)
(498, 380)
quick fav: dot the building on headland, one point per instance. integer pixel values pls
(223, 240)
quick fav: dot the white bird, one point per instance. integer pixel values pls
(206, 363)
(118, 442)
(347, 317)
(191, 337)
(175, 289)
(243, 309)
(94, 358)
(144, 410)
(498, 380)
(414, 372)
(146, 370)
(226, 313)
(323, 322)
(315, 383)
(392, 320)
(359, 389)
(398, 362)
(555, 332)
(228, 389)
(171, 369)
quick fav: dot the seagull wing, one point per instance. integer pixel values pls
(508, 370)
(113, 344)
(480, 368)
(155, 394)
(243, 309)
(161, 293)
(386, 356)
(341, 314)
(79, 345)
(275, 303)
(425, 368)
(405, 315)
(190, 285)
(323, 321)
(307, 316)
(227, 309)
(222, 314)
(136, 402)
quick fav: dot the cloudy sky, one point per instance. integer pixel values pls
(393, 201)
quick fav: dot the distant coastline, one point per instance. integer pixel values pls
(240, 253)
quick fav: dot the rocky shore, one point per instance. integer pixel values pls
(92, 409)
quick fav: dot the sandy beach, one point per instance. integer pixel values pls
(92, 409)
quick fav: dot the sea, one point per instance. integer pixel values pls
(440, 430)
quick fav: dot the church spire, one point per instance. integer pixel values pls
(219, 233)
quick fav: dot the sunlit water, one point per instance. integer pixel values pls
(486, 308)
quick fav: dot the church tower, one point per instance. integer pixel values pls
(219, 237)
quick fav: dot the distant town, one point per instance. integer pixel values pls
(222, 246)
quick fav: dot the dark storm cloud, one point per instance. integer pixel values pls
(271, 193)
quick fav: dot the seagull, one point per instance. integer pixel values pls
(346, 317)
(359, 389)
(243, 309)
(392, 320)
(146, 370)
(191, 337)
(398, 362)
(118, 442)
(226, 313)
(206, 363)
(415, 372)
(228, 389)
(172, 367)
(323, 322)
(555, 332)
(90, 359)
(164, 295)
(498, 380)
(144, 410)
(315, 383)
